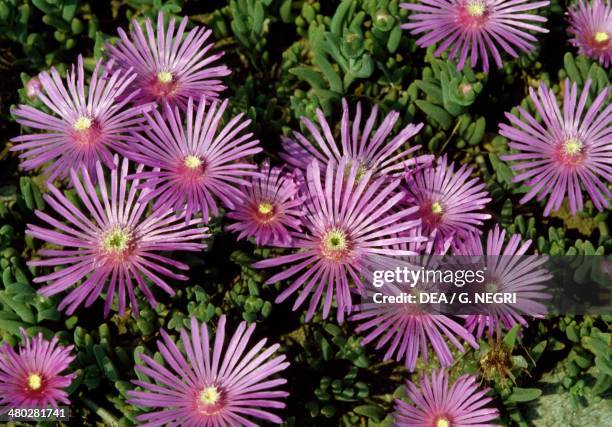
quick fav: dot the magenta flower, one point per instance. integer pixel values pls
(436, 403)
(115, 243)
(475, 29)
(508, 270)
(32, 377)
(270, 209)
(196, 162)
(591, 26)
(566, 150)
(171, 67)
(448, 201)
(91, 123)
(200, 387)
(369, 148)
(406, 329)
(347, 218)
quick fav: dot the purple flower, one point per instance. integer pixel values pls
(170, 68)
(475, 29)
(508, 270)
(591, 26)
(196, 162)
(347, 218)
(436, 403)
(369, 148)
(567, 149)
(91, 123)
(111, 245)
(32, 377)
(407, 328)
(270, 208)
(197, 387)
(447, 201)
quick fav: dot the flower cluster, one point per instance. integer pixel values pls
(151, 154)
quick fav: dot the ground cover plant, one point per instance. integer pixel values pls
(189, 188)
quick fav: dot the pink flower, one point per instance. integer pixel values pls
(371, 148)
(87, 122)
(568, 149)
(508, 270)
(171, 66)
(448, 201)
(32, 377)
(195, 158)
(347, 218)
(591, 28)
(407, 330)
(439, 403)
(270, 209)
(475, 29)
(211, 387)
(112, 245)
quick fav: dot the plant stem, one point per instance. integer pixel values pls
(106, 416)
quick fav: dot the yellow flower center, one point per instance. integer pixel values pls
(265, 208)
(116, 241)
(34, 381)
(572, 146)
(443, 422)
(82, 123)
(475, 8)
(209, 396)
(436, 208)
(164, 76)
(601, 36)
(192, 162)
(335, 240)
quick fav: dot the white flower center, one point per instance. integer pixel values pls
(476, 8)
(192, 162)
(572, 146)
(601, 36)
(164, 76)
(82, 123)
(209, 396)
(34, 381)
(443, 422)
(116, 241)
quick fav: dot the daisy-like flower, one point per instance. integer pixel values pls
(271, 208)
(475, 29)
(507, 270)
(204, 386)
(406, 329)
(591, 26)
(448, 200)
(32, 376)
(88, 121)
(566, 150)
(170, 65)
(196, 162)
(112, 245)
(347, 218)
(371, 149)
(439, 403)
